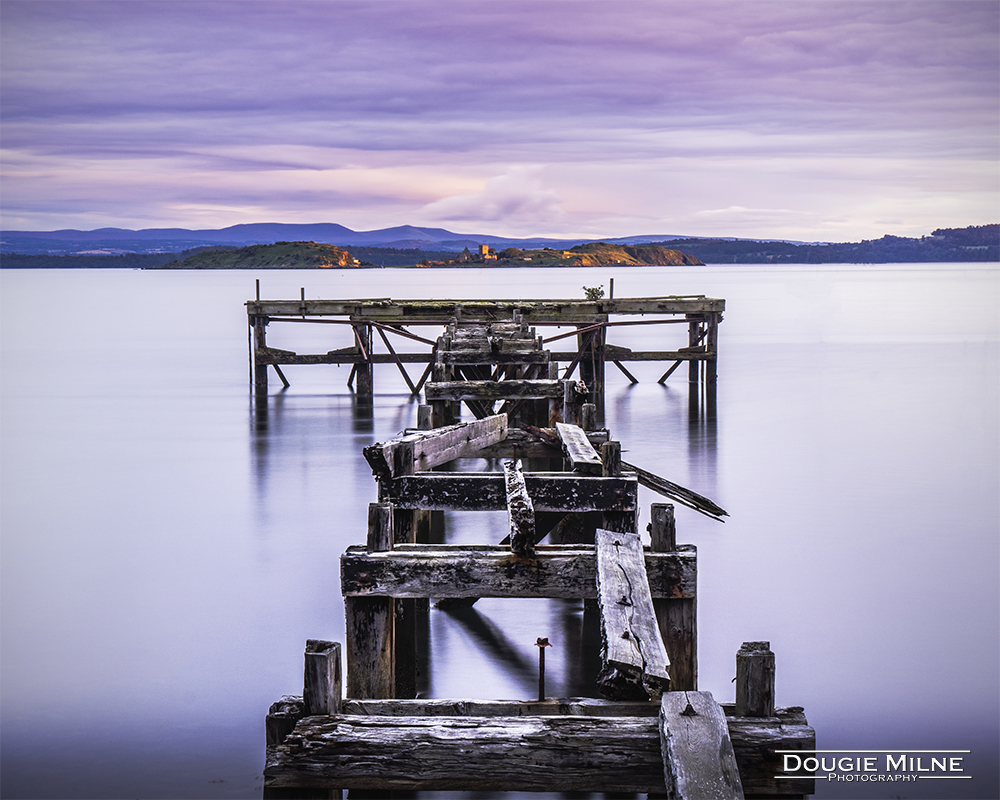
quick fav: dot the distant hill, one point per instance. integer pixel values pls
(117, 247)
(975, 243)
(595, 254)
(280, 255)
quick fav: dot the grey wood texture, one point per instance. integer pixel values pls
(698, 758)
(578, 449)
(556, 571)
(549, 491)
(634, 657)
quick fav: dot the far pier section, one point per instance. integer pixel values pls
(584, 351)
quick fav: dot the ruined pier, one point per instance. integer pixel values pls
(572, 509)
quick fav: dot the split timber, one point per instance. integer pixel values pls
(487, 340)
(654, 731)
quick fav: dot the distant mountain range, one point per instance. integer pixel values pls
(118, 247)
(112, 241)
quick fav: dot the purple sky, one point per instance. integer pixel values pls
(810, 119)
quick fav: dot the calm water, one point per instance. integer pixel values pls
(167, 547)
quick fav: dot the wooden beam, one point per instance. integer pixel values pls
(555, 571)
(579, 450)
(436, 446)
(635, 661)
(469, 753)
(549, 491)
(677, 619)
(520, 512)
(493, 390)
(384, 733)
(698, 758)
(534, 312)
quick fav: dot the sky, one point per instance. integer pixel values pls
(811, 120)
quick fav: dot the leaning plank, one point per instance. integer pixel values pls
(635, 660)
(698, 758)
(677, 492)
(579, 450)
(619, 754)
(438, 446)
(556, 571)
(493, 390)
(520, 512)
(549, 491)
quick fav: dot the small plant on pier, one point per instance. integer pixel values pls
(594, 292)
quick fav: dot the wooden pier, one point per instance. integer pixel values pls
(489, 340)
(572, 510)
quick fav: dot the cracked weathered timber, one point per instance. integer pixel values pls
(578, 450)
(699, 762)
(555, 571)
(520, 511)
(424, 450)
(635, 663)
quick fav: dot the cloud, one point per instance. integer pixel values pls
(430, 96)
(517, 197)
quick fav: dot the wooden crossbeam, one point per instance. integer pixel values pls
(699, 762)
(493, 390)
(383, 733)
(635, 661)
(554, 571)
(579, 450)
(549, 491)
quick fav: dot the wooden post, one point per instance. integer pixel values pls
(260, 345)
(588, 417)
(371, 672)
(694, 336)
(365, 373)
(755, 680)
(676, 617)
(621, 521)
(404, 630)
(321, 685)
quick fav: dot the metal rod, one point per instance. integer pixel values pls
(541, 644)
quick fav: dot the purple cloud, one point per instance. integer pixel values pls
(380, 113)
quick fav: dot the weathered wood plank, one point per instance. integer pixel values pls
(440, 311)
(573, 706)
(520, 512)
(675, 491)
(754, 740)
(556, 571)
(483, 357)
(579, 450)
(532, 753)
(539, 389)
(437, 446)
(549, 491)
(635, 661)
(698, 758)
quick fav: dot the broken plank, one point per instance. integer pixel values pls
(579, 450)
(698, 758)
(520, 513)
(635, 660)
(437, 446)
(677, 492)
(555, 571)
